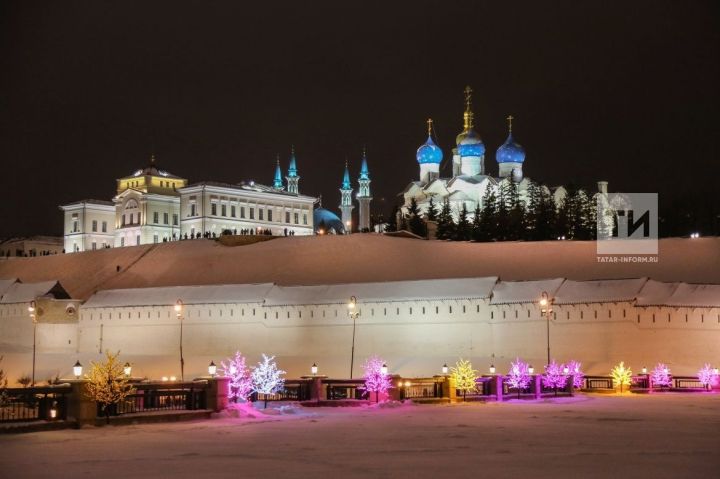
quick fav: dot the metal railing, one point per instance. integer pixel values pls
(422, 388)
(687, 382)
(344, 389)
(293, 390)
(599, 382)
(44, 403)
(148, 397)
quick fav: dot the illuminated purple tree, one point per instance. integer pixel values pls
(554, 376)
(377, 379)
(707, 376)
(267, 378)
(577, 374)
(661, 375)
(519, 376)
(241, 384)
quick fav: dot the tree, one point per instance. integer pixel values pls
(415, 221)
(446, 226)
(241, 383)
(660, 375)
(489, 215)
(476, 233)
(519, 376)
(577, 374)
(267, 378)
(621, 375)
(377, 379)
(554, 376)
(464, 376)
(432, 210)
(391, 224)
(107, 383)
(707, 376)
(545, 217)
(462, 229)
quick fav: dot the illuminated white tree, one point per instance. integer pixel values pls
(377, 379)
(464, 375)
(241, 383)
(267, 378)
(661, 375)
(707, 376)
(621, 375)
(577, 374)
(554, 376)
(519, 376)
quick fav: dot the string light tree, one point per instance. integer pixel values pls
(267, 378)
(556, 376)
(706, 375)
(377, 379)
(621, 375)
(660, 376)
(107, 383)
(578, 377)
(519, 376)
(241, 382)
(464, 377)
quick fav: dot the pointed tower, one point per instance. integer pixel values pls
(469, 156)
(292, 177)
(346, 205)
(277, 182)
(363, 195)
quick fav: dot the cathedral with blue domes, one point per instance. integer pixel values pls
(470, 179)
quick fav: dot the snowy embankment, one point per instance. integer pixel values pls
(595, 436)
(354, 258)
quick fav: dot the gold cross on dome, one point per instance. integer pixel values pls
(510, 118)
(429, 124)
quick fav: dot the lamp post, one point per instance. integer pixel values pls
(127, 369)
(354, 313)
(33, 317)
(77, 369)
(314, 369)
(492, 369)
(546, 303)
(445, 368)
(212, 369)
(178, 312)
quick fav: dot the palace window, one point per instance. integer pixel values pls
(213, 209)
(156, 217)
(260, 214)
(232, 211)
(269, 215)
(193, 209)
(287, 217)
(223, 210)
(75, 223)
(242, 212)
(296, 218)
(175, 219)
(252, 213)
(94, 225)
(166, 218)
(104, 226)
(94, 245)
(156, 239)
(304, 218)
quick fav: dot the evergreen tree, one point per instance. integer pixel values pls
(476, 233)
(446, 226)
(432, 210)
(589, 217)
(503, 211)
(516, 212)
(391, 224)
(415, 221)
(489, 215)
(462, 229)
(545, 217)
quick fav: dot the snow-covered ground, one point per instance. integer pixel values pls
(354, 258)
(658, 436)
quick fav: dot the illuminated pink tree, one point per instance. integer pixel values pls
(377, 379)
(661, 375)
(554, 376)
(240, 385)
(519, 376)
(707, 376)
(577, 374)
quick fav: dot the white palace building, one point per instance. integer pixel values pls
(153, 206)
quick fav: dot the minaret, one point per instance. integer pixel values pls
(363, 195)
(277, 182)
(346, 205)
(292, 177)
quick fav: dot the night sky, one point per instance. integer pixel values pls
(621, 91)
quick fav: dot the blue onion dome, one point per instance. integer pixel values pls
(510, 152)
(471, 144)
(326, 219)
(429, 152)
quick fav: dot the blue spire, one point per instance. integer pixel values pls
(292, 169)
(364, 172)
(277, 183)
(346, 178)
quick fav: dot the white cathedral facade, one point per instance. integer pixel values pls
(470, 179)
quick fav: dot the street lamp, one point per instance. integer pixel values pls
(77, 369)
(531, 369)
(314, 369)
(33, 317)
(546, 303)
(383, 369)
(348, 225)
(127, 369)
(178, 312)
(492, 369)
(212, 369)
(445, 369)
(354, 313)
(644, 370)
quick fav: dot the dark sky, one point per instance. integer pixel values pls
(621, 91)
